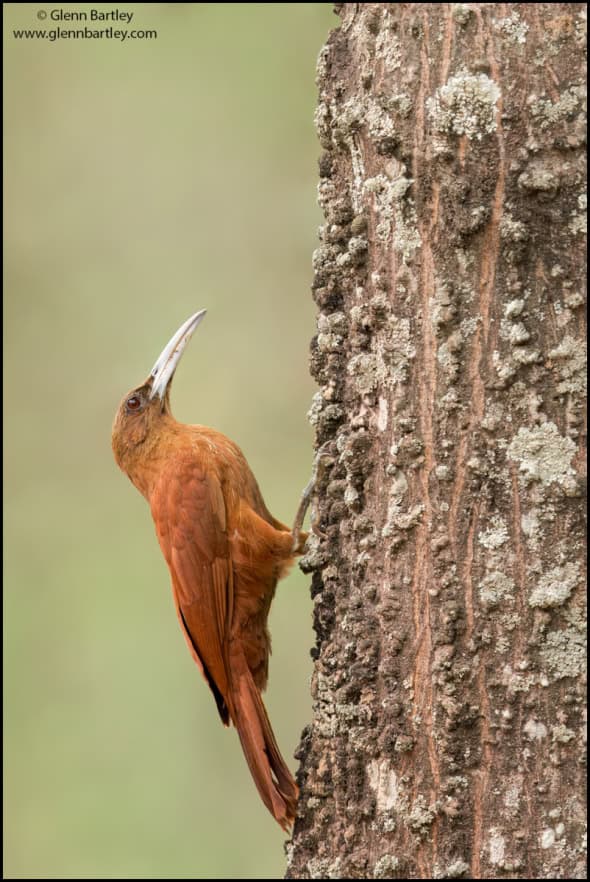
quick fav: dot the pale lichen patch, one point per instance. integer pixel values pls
(513, 28)
(379, 122)
(455, 870)
(562, 734)
(564, 652)
(539, 178)
(571, 358)
(497, 846)
(323, 61)
(465, 105)
(321, 411)
(578, 222)
(513, 681)
(493, 417)
(515, 332)
(317, 404)
(513, 795)
(461, 13)
(383, 782)
(512, 230)
(397, 490)
(387, 365)
(581, 27)
(514, 308)
(574, 299)
(321, 120)
(530, 526)
(323, 868)
(409, 519)
(368, 370)
(548, 113)
(544, 455)
(382, 414)
(385, 867)
(535, 730)
(496, 534)
(495, 588)
(421, 816)
(448, 354)
(555, 586)
(387, 44)
(396, 214)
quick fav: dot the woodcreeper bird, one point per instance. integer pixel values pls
(225, 552)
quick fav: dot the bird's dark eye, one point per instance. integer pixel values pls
(133, 403)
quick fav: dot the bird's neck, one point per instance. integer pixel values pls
(142, 459)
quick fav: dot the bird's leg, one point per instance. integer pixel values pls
(306, 497)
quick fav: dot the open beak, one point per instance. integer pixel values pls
(163, 370)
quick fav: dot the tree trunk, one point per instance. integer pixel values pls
(448, 562)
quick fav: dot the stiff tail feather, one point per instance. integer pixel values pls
(271, 775)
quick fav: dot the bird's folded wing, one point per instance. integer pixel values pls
(189, 511)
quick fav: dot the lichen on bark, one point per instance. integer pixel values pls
(448, 557)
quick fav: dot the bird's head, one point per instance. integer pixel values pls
(142, 410)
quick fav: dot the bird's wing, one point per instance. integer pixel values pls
(189, 511)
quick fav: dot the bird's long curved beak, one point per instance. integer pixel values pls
(163, 370)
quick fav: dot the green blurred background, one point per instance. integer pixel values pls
(145, 180)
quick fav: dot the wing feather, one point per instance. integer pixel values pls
(189, 512)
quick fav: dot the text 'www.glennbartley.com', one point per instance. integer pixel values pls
(89, 24)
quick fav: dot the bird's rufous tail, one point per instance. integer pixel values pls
(271, 775)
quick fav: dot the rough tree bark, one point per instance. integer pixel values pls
(447, 734)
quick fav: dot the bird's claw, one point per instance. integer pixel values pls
(306, 499)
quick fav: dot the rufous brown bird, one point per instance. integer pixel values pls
(225, 552)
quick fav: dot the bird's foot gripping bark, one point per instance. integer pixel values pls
(300, 538)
